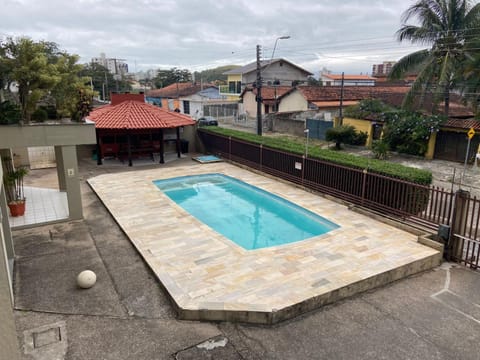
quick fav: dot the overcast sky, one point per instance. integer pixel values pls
(346, 35)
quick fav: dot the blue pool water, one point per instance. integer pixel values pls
(207, 158)
(245, 214)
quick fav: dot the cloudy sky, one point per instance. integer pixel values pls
(347, 35)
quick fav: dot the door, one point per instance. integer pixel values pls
(41, 157)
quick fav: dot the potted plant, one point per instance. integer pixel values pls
(14, 190)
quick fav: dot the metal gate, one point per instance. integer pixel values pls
(464, 246)
(452, 146)
(318, 128)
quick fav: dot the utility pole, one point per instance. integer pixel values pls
(259, 92)
(341, 100)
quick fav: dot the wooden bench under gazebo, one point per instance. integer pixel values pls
(129, 128)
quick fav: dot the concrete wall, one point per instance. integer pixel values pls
(287, 123)
(46, 135)
(250, 104)
(293, 102)
(431, 146)
(361, 125)
(8, 335)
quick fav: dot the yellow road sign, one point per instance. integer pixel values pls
(470, 133)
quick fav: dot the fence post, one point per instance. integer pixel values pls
(261, 155)
(303, 168)
(364, 184)
(230, 148)
(459, 223)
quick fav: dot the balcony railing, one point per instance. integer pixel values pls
(226, 90)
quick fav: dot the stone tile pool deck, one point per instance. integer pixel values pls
(208, 277)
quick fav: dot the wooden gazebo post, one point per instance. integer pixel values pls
(178, 141)
(129, 147)
(162, 147)
(99, 149)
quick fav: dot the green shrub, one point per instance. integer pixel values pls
(399, 171)
(39, 115)
(51, 111)
(359, 138)
(10, 113)
(341, 134)
(380, 149)
(409, 132)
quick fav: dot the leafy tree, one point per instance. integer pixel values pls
(99, 78)
(470, 88)
(213, 75)
(448, 26)
(367, 107)
(43, 73)
(171, 76)
(311, 81)
(67, 91)
(30, 68)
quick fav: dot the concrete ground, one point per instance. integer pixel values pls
(126, 315)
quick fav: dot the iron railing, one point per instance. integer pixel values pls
(427, 206)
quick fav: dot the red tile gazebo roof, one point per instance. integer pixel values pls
(135, 114)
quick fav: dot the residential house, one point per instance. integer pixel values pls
(327, 99)
(328, 79)
(274, 72)
(325, 103)
(187, 98)
(270, 99)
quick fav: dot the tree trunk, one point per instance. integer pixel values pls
(447, 99)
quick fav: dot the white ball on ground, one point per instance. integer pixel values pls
(86, 279)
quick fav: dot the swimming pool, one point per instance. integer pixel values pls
(245, 214)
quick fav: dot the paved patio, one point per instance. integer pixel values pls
(126, 315)
(43, 206)
(210, 278)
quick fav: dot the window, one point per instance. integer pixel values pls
(231, 87)
(239, 87)
(186, 107)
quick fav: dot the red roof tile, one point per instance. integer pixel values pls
(326, 104)
(462, 124)
(132, 114)
(270, 92)
(348, 77)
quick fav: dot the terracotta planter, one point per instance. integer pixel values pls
(17, 208)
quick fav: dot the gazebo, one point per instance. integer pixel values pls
(130, 128)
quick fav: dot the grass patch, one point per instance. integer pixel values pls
(398, 171)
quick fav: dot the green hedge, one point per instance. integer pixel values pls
(398, 171)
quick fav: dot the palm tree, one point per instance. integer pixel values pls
(449, 26)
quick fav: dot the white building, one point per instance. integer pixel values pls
(114, 65)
